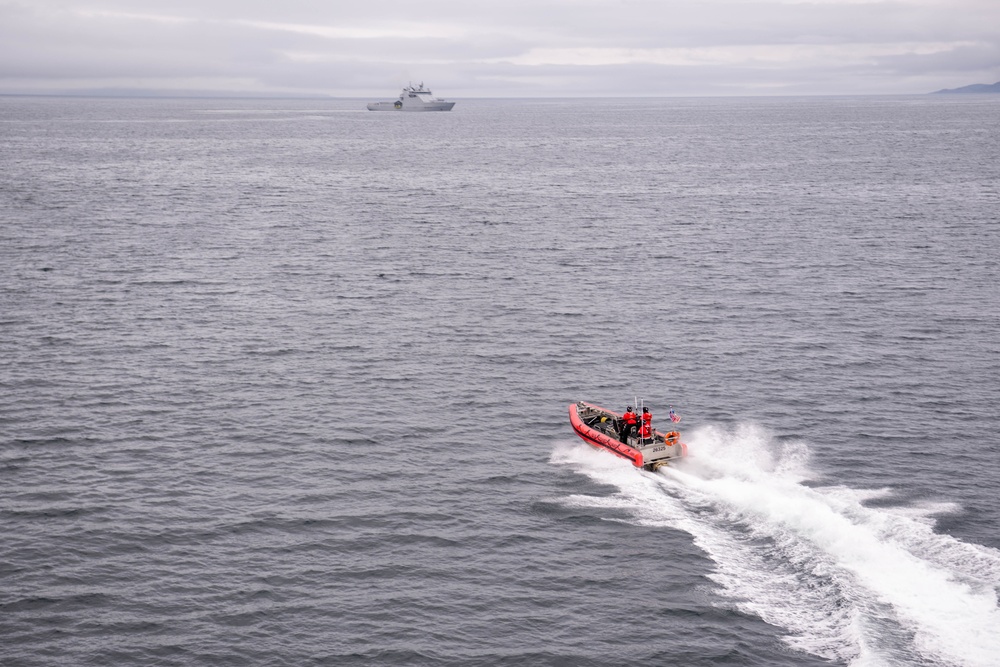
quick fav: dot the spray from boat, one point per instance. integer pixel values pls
(848, 582)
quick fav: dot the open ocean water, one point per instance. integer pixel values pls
(286, 382)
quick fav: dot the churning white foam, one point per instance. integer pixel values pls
(866, 585)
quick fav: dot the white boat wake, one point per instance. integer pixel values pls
(864, 585)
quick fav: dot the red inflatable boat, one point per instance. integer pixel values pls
(602, 428)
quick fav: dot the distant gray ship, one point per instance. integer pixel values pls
(413, 98)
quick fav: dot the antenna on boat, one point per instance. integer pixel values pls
(638, 411)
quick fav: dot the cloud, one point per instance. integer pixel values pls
(962, 58)
(760, 55)
(520, 47)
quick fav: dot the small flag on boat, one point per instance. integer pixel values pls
(674, 417)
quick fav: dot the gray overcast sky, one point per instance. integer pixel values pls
(500, 48)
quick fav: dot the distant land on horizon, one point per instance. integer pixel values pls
(974, 88)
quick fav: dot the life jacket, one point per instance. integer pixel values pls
(646, 418)
(645, 431)
(629, 418)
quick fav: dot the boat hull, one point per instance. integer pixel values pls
(593, 425)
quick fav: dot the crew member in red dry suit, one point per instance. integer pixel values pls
(629, 420)
(646, 430)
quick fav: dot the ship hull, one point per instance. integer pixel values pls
(393, 106)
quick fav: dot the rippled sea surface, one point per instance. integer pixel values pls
(286, 382)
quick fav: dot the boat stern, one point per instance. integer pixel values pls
(660, 453)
